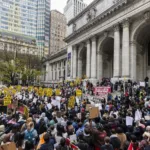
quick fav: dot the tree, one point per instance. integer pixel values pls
(16, 66)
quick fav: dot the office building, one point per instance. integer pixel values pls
(73, 7)
(43, 26)
(27, 18)
(58, 31)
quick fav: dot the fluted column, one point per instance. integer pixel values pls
(116, 71)
(99, 66)
(133, 60)
(51, 73)
(88, 59)
(57, 78)
(125, 49)
(54, 69)
(47, 71)
(62, 68)
(79, 67)
(93, 59)
(74, 62)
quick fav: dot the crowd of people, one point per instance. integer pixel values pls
(123, 122)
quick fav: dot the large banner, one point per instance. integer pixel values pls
(102, 90)
(68, 64)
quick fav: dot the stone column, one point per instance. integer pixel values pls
(47, 71)
(51, 74)
(57, 71)
(93, 59)
(88, 59)
(65, 69)
(133, 60)
(62, 69)
(116, 71)
(54, 69)
(79, 67)
(99, 66)
(74, 62)
(125, 50)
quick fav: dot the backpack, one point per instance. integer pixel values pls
(29, 135)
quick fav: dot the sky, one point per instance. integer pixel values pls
(60, 4)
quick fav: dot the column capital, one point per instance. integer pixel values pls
(88, 41)
(126, 23)
(93, 38)
(74, 47)
(116, 27)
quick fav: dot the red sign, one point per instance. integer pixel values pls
(102, 90)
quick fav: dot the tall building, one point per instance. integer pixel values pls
(43, 26)
(73, 7)
(19, 16)
(58, 31)
(27, 18)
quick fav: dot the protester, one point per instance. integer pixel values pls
(60, 118)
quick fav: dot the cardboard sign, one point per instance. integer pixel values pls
(71, 102)
(78, 93)
(94, 112)
(88, 107)
(9, 146)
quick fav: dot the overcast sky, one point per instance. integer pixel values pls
(60, 4)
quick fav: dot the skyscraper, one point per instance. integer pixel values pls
(27, 17)
(19, 16)
(43, 26)
(58, 31)
(73, 7)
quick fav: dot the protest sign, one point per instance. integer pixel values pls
(71, 102)
(78, 93)
(49, 92)
(142, 84)
(88, 107)
(102, 90)
(7, 101)
(8, 146)
(57, 92)
(94, 112)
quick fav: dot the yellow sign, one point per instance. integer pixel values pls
(7, 101)
(41, 92)
(49, 92)
(78, 93)
(57, 92)
(18, 88)
(71, 84)
(71, 102)
(30, 88)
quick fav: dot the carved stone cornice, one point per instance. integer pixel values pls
(84, 11)
(95, 21)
